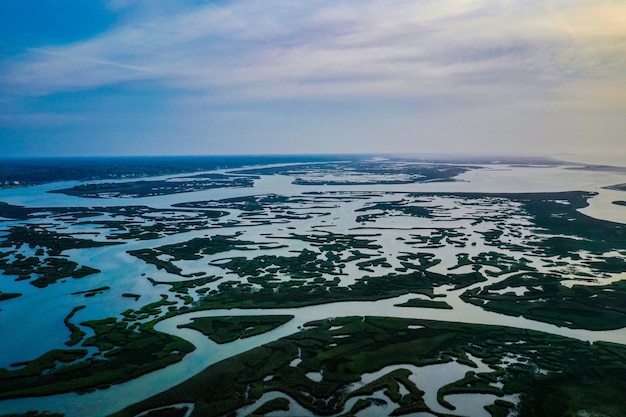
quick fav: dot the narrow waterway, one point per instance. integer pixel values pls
(102, 403)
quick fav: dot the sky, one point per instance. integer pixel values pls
(190, 77)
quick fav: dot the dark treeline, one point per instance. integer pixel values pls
(31, 171)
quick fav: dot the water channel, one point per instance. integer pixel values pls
(40, 312)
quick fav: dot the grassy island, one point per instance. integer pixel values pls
(228, 329)
(145, 188)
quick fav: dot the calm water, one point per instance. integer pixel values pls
(33, 324)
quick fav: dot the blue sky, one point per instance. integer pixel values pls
(159, 77)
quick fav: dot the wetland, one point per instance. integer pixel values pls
(345, 287)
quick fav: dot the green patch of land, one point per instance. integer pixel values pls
(93, 292)
(123, 222)
(307, 264)
(11, 211)
(301, 292)
(264, 209)
(555, 217)
(393, 207)
(554, 376)
(412, 402)
(43, 272)
(136, 297)
(438, 238)
(144, 188)
(183, 287)
(125, 352)
(154, 228)
(9, 295)
(252, 203)
(47, 265)
(338, 242)
(231, 328)
(545, 299)
(312, 277)
(76, 334)
(190, 250)
(498, 263)
(24, 172)
(277, 404)
(363, 172)
(55, 242)
(423, 303)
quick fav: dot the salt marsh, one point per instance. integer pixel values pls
(469, 236)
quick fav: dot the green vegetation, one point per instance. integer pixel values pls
(263, 209)
(438, 238)
(555, 376)
(153, 223)
(8, 295)
(593, 235)
(136, 189)
(43, 272)
(10, 211)
(412, 402)
(405, 173)
(125, 352)
(155, 228)
(471, 383)
(55, 242)
(545, 299)
(277, 404)
(305, 265)
(337, 242)
(393, 207)
(500, 408)
(252, 203)
(183, 287)
(131, 295)
(152, 311)
(190, 250)
(93, 292)
(307, 281)
(420, 302)
(29, 171)
(76, 334)
(504, 263)
(301, 292)
(231, 328)
(425, 261)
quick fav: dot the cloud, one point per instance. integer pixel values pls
(474, 51)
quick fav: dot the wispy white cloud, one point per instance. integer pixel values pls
(480, 51)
